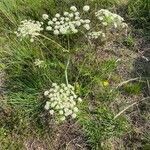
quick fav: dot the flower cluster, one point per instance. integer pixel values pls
(96, 35)
(68, 23)
(29, 28)
(39, 63)
(62, 101)
(109, 19)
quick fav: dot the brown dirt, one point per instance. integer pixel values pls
(67, 136)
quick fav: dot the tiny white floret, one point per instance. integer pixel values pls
(86, 26)
(50, 22)
(77, 13)
(47, 105)
(54, 19)
(87, 21)
(48, 28)
(46, 93)
(57, 15)
(61, 112)
(67, 19)
(31, 40)
(73, 8)
(78, 23)
(71, 15)
(74, 116)
(66, 13)
(79, 99)
(105, 23)
(76, 109)
(86, 8)
(51, 112)
(62, 118)
(45, 16)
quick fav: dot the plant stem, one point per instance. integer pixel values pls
(66, 70)
(66, 73)
(54, 42)
(125, 82)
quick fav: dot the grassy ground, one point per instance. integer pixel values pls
(113, 81)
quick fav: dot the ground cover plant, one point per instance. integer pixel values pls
(73, 75)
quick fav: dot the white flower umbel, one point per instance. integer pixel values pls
(68, 23)
(30, 29)
(110, 20)
(62, 101)
(96, 35)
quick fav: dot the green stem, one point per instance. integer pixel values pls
(66, 70)
(54, 42)
(66, 73)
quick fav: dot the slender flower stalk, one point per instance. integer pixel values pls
(54, 42)
(66, 71)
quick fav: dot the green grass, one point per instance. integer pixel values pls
(23, 115)
(99, 124)
(129, 41)
(139, 13)
(133, 88)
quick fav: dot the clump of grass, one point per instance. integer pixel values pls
(23, 119)
(146, 141)
(139, 13)
(106, 3)
(133, 88)
(7, 142)
(22, 73)
(129, 41)
(100, 125)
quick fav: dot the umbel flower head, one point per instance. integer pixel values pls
(109, 23)
(29, 28)
(68, 23)
(110, 20)
(62, 101)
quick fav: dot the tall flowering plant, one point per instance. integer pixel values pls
(62, 102)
